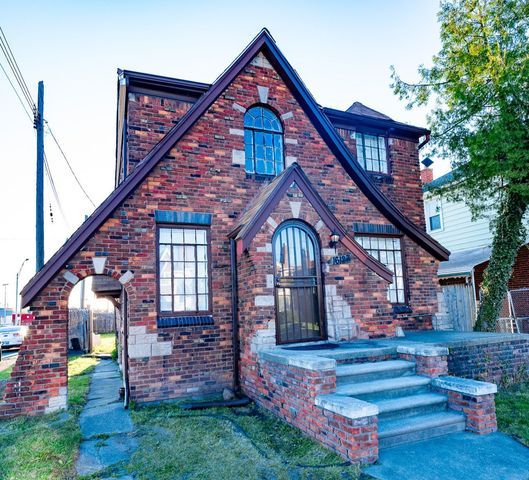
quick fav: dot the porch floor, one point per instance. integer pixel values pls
(361, 347)
(453, 339)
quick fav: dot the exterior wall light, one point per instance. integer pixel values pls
(335, 238)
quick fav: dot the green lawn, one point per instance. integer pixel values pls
(5, 374)
(45, 447)
(107, 345)
(225, 444)
(512, 410)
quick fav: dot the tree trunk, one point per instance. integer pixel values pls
(508, 238)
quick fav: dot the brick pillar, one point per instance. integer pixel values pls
(474, 399)
(430, 361)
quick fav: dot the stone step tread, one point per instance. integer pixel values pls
(372, 367)
(376, 386)
(390, 428)
(410, 401)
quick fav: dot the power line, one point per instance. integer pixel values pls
(54, 189)
(16, 93)
(69, 165)
(19, 78)
(16, 69)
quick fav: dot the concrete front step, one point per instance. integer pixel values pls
(364, 372)
(386, 388)
(420, 427)
(411, 405)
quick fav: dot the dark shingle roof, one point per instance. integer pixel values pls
(361, 109)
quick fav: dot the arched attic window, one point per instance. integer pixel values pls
(263, 140)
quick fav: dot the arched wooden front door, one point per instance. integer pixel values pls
(298, 290)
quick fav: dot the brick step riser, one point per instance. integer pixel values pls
(414, 411)
(419, 435)
(393, 393)
(368, 377)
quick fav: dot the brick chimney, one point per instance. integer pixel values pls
(426, 175)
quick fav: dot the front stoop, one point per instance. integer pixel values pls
(408, 398)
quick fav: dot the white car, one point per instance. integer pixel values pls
(12, 336)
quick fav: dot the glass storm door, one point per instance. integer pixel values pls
(297, 284)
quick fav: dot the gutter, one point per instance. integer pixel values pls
(234, 315)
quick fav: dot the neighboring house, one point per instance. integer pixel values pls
(469, 242)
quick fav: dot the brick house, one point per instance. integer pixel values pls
(245, 217)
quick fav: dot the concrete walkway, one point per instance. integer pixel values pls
(106, 426)
(455, 457)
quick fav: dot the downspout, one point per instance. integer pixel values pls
(234, 315)
(473, 280)
(125, 350)
(424, 142)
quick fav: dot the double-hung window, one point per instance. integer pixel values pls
(433, 215)
(371, 152)
(388, 251)
(183, 270)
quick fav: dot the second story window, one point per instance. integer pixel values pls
(263, 141)
(371, 152)
(433, 215)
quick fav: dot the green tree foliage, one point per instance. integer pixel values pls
(478, 89)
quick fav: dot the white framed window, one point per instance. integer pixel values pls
(434, 218)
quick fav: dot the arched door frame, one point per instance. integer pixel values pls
(318, 278)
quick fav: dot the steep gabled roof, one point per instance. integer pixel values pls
(361, 109)
(270, 195)
(265, 43)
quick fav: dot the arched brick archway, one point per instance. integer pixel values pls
(39, 381)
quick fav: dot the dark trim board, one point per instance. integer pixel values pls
(265, 43)
(244, 233)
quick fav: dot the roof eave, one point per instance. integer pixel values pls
(352, 119)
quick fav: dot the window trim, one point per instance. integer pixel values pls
(252, 129)
(428, 216)
(388, 153)
(403, 259)
(182, 313)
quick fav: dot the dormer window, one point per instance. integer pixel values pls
(263, 141)
(372, 153)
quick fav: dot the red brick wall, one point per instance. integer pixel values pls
(149, 118)
(289, 393)
(520, 272)
(198, 175)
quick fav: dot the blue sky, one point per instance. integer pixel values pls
(341, 49)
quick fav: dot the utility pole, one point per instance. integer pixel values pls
(16, 289)
(5, 301)
(39, 126)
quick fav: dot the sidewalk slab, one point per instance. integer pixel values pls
(106, 427)
(455, 457)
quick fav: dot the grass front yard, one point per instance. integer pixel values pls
(512, 410)
(222, 444)
(45, 447)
